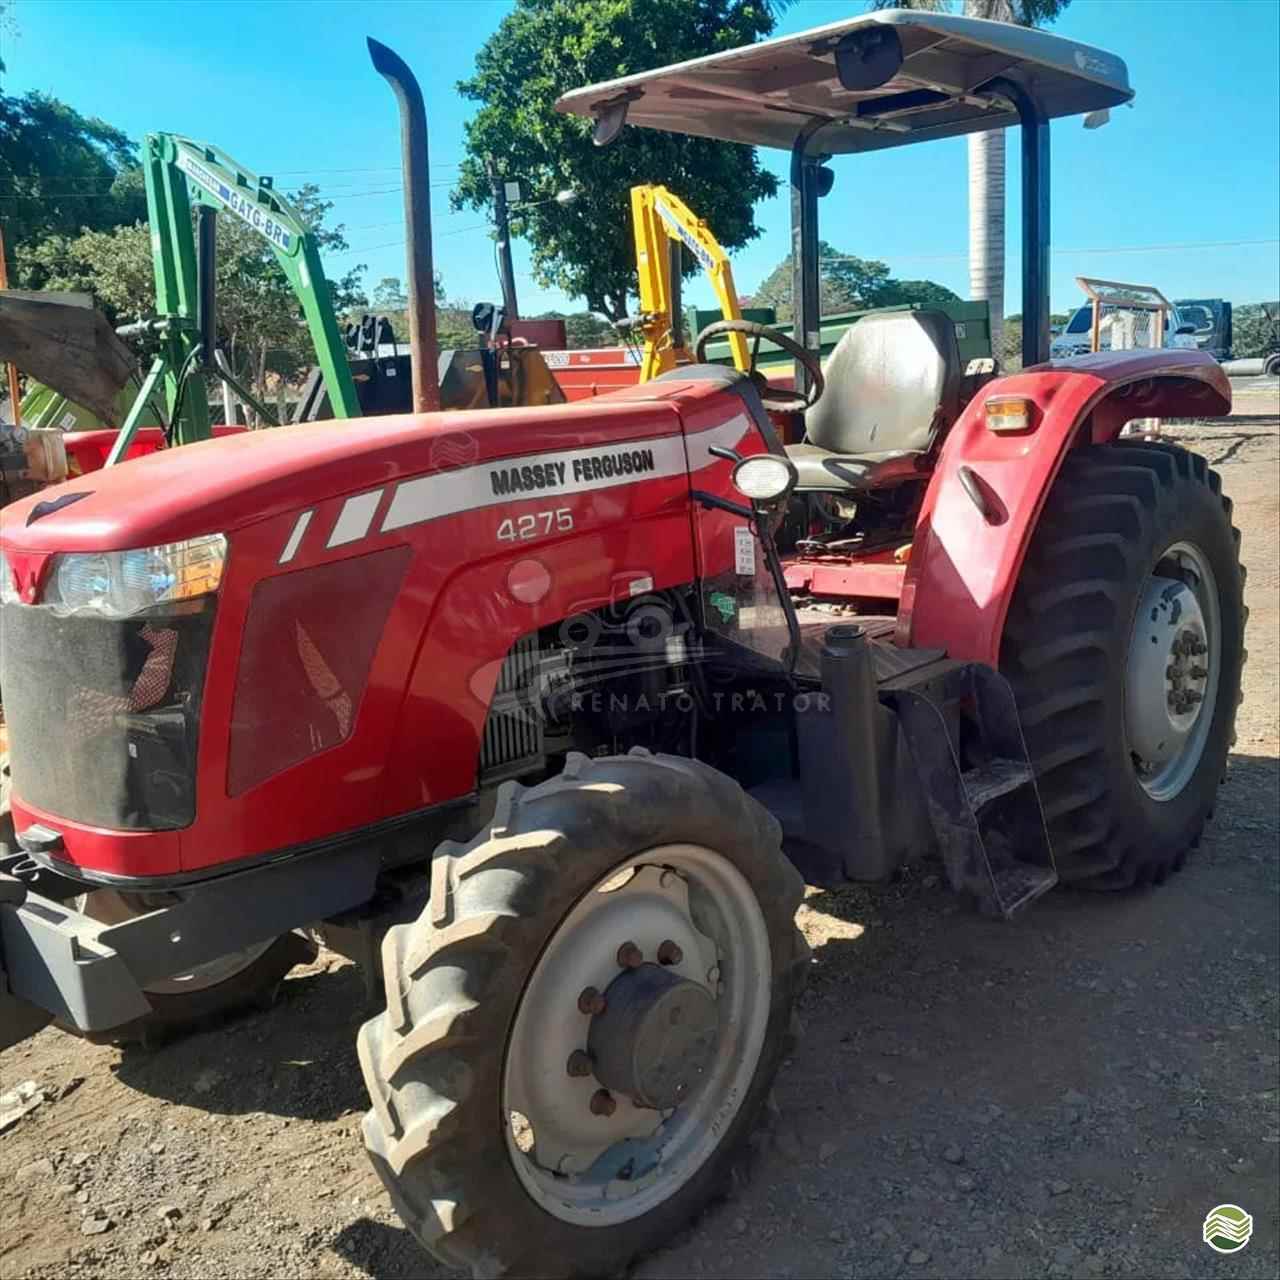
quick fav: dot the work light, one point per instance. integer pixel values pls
(764, 477)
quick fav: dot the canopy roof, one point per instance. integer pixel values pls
(764, 94)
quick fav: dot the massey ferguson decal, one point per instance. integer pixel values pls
(534, 477)
(489, 484)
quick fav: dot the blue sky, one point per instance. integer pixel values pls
(286, 87)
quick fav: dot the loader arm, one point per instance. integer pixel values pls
(660, 218)
(178, 173)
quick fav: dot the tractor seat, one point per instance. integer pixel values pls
(892, 386)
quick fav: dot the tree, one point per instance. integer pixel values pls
(61, 172)
(583, 329)
(845, 282)
(546, 47)
(390, 295)
(987, 159)
(1254, 333)
(923, 293)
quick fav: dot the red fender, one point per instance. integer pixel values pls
(964, 565)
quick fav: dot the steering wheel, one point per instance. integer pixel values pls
(773, 397)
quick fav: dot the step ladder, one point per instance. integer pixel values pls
(960, 722)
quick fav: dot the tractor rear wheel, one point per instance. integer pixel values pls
(1124, 645)
(585, 1021)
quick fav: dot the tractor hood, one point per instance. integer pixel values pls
(884, 79)
(218, 486)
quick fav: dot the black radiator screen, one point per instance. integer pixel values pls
(103, 713)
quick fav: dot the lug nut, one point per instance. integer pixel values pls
(591, 1002)
(669, 953)
(1199, 673)
(602, 1103)
(579, 1064)
(1194, 696)
(630, 956)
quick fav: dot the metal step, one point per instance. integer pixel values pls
(961, 725)
(1019, 884)
(994, 779)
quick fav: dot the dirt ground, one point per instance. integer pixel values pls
(1069, 1094)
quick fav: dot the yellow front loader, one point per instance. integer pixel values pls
(661, 219)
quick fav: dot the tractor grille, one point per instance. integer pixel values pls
(512, 740)
(104, 713)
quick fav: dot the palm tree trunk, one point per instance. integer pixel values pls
(986, 202)
(986, 228)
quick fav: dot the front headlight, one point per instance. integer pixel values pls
(118, 584)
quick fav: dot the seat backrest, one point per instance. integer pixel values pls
(893, 383)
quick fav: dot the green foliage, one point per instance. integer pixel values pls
(584, 329)
(1253, 333)
(61, 172)
(542, 49)
(846, 283)
(1027, 13)
(389, 294)
(1010, 353)
(1009, 357)
(898, 293)
(454, 330)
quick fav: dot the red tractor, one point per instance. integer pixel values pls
(517, 706)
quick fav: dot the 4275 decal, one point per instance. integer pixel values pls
(537, 524)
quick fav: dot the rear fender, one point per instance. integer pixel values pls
(964, 562)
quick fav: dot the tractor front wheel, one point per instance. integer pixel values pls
(585, 1022)
(1124, 645)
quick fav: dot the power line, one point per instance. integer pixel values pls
(1135, 248)
(391, 244)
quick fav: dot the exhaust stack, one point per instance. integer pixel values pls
(423, 346)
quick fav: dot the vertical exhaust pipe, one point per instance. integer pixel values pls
(423, 346)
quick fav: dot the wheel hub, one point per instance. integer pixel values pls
(1167, 672)
(655, 1038)
(637, 1035)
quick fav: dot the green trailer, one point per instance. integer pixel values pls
(971, 319)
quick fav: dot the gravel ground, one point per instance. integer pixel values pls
(1067, 1095)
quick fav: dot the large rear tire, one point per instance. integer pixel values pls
(1124, 645)
(499, 1124)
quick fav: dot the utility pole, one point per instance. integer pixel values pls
(505, 270)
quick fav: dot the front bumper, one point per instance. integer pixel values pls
(58, 963)
(53, 964)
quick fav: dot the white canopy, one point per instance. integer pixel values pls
(764, 94)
